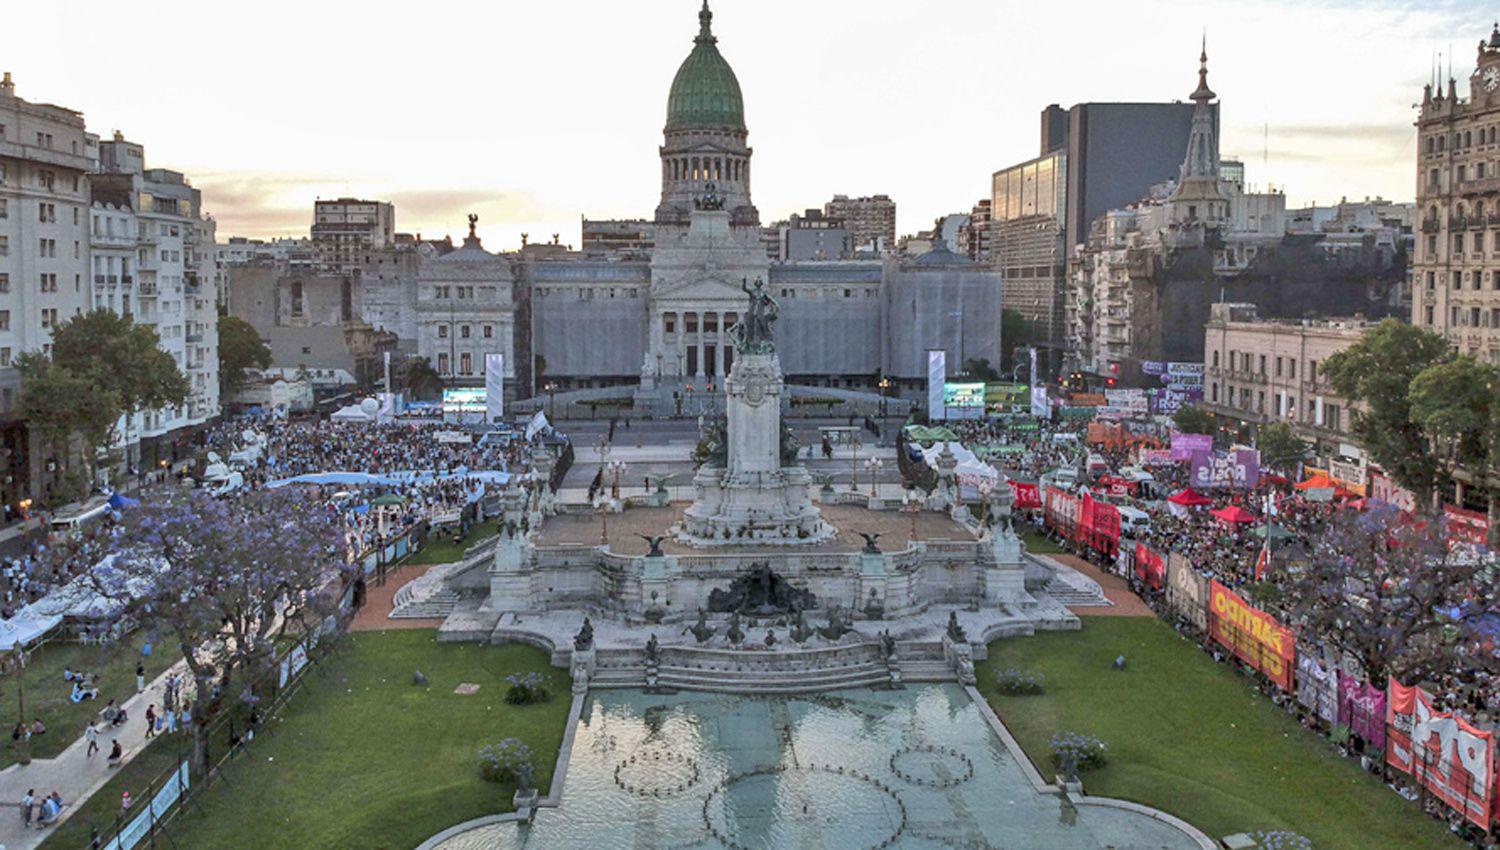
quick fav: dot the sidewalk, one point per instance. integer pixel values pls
(72, 775)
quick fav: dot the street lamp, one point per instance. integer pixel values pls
(912, 505)
(854, 445)
(551, 389)
(616, 468)
(873, 466)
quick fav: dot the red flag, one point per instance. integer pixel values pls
(1263, 561)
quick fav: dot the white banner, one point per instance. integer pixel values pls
(937, 374)
(494, 389)
(1039, 406)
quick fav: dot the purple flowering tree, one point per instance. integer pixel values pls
(1378, 584)
(225, 580)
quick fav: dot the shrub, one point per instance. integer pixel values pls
(1087, 752)
(1280, 839)
(527, 689)
(1015, 683)
(501, 762)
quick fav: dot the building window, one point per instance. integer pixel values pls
(489, 332)
(1216, 359)
(1429, 315)
(463, 331)
(1262, 364)
(442, 331)
(1278, 367)
(442, 364)
(466, 363)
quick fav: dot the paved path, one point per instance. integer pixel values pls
(381, 600)
(1116, 590)
(71, 774)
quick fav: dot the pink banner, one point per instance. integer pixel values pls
(1183, 445)
(1362, 708)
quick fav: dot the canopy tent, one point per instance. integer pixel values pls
(1190, 498)
(925, 434)
(972, 472)
(1277, 532)
(119, 502)
(25, 628)
(353, 414)
(1233, 515)
(388, 499)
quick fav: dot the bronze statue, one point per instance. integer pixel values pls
(752, 334)
(870, 547)
(760, 593)
(655, 544)
(701, 630)
(585, 637)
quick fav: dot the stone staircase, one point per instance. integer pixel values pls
(1071, 587)
(765, 672)
(425, 597)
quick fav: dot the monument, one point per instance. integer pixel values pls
(752, 492)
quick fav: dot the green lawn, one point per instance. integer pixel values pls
(441, 549)
(1191, 737)
(49, 697)
(362, 758)
(1037, 543)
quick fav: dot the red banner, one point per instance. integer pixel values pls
(1453, 759)
(1099, 525)
(1062, 512)
(1150, 567)
(1254, 636)
(1027, 495)
(1465, 526)
(1118, 486)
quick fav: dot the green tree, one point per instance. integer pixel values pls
(240, 348)
(422, 381)
(1191, 420)
(979, 369)
(102, 366)
(1280, 446)
(1378, 371)
(1453, 402)
(1017, 333)
(60, 404)
(122, 357)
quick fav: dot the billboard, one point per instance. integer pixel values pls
(937, 375)
(494, 388)
(963, 401)
(1254, 636)
(466, 400)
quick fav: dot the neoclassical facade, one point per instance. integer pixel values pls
(658, 320)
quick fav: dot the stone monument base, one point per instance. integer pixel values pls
(763, 508)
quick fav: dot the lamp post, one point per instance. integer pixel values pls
(854, 445)
(604, 519)
(551, 390)
(873, 466)
(985, 488)
(615, 468)
(912, 505)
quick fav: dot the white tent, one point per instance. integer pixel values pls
(25, 628)
(971, 470)
(353, 414)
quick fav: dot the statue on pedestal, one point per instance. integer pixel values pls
(752, 334)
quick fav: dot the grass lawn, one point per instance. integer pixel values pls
(1191, 737)
(1037, 543)
(362, 758)
(441, 549)
(49, 697)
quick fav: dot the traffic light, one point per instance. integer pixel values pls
(1110, 382)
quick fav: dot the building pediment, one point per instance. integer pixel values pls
(699, 287)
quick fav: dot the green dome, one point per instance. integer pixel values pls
(705, 92)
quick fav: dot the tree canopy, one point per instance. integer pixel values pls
(1279, 446)
(240, 348)
(1192, 420)
(1378, 371)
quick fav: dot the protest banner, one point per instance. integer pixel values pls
(1238, 470)
(1318, 687)
(1254, 636)
(1362, 709)
(1027, 496)
(1185, 445)
(1451, 758)
(1150, 566)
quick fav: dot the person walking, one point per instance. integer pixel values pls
(27, 802)
(140, 677)
(151, 720)
(91, 734)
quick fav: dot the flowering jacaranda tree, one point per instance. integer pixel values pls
(225, 580)
(1383, 585)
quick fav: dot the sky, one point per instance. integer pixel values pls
(536, 114)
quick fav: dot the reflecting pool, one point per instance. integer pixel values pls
(913, 769)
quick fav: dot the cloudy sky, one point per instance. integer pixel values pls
(533, 114)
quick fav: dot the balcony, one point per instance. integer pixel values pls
(1479, 186)
(195, 337)
(1431, 225)
(147, 287)
(98, 280)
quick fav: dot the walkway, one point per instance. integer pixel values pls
(71, 774)
(1116, 590)
(380, 600)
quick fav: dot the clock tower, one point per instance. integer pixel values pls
(1486, 79)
